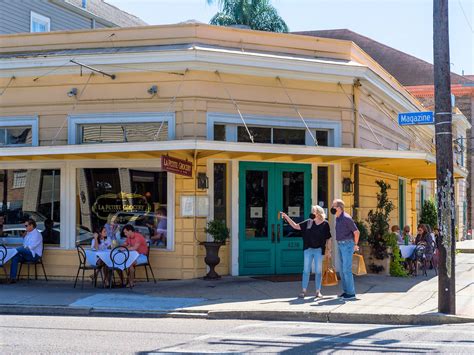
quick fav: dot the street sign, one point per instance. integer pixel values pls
(415, 118)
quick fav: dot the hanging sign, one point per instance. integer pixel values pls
(177, 166)
(415, 118)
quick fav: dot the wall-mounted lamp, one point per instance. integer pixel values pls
(347, 185)
(153, 90)
(72, 92)
(202, 181)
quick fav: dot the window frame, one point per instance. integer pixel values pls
(76, 121)
(231, 122)
(21, 121)
(36, 17)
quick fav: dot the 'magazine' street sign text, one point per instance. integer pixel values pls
(414, 118)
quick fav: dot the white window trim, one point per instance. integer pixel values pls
(22, 121)
(34, 16)
(334, 128)
(130, 164)
(74, 121)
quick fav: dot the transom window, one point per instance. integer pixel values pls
(120, 127)
(273, 130)
(15, 136)
(120, 133)
(39, 23)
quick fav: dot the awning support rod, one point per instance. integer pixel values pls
(363, 117)
(298, 112)
(236, 106)
(157, 134)
(111, 76)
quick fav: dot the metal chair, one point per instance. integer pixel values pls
(35, 263)
(147, 263)
(84, 266)
(119, 257)
(3, 255)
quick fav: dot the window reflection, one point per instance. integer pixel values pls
(116, 197)
(120, 133)
(256, 197)
(32, 193)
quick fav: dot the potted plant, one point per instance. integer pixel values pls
(219, 233)
(379, 224)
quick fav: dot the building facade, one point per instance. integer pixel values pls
(61, 15)
(258, 122)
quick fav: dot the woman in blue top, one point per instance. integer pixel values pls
(316, 233)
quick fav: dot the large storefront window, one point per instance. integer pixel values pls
(112, 198)
(30, 193)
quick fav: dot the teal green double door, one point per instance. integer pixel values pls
(267, 245)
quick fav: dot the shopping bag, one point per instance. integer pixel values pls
(329, 274)
(358, 265)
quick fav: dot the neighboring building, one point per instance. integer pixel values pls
(177, 91)
(418, 78)
(61, 15)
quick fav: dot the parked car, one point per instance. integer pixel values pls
(13, 233)
(143, 222)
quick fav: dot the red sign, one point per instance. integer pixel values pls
(177, 166)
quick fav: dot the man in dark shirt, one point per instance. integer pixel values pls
(347, 237)
(50, 236)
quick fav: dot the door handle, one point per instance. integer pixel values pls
(273, 233)
(278, 233)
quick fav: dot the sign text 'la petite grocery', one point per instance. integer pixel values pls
(177, 166)
(415, 118)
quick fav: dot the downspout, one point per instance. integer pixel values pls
(355, 214)
(355, 108)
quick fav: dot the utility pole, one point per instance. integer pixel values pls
(444, 158)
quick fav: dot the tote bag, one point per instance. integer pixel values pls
(358, 265)
(329, 275)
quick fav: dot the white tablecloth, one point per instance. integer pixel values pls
(93, 255)
(11, 252)
(407, 250)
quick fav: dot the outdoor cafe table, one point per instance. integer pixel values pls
(93, 255)
(11, 252)
(407, 250)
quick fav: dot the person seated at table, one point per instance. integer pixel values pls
(100, 240)
(159, 237)
(406, 234)
(396, 231)
(424, 245)
(135, 241)
(50, 236)
(31, 250)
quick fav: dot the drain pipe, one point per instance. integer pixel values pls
(355, 213)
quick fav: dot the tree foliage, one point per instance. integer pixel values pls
(429, 213)
(256, 14)
(379, 221)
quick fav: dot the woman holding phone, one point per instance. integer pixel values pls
(316, 233)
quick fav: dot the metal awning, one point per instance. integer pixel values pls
(408, 164)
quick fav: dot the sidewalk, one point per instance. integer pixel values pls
(380, 299)
(466, 246)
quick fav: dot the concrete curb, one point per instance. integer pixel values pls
(291, 316)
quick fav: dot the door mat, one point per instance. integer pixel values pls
(279, 278)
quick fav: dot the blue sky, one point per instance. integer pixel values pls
(406, 25)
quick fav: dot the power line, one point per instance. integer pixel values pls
(465, 16)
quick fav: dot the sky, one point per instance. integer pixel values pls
(406, 25)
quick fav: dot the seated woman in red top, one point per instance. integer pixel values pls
(135, 241)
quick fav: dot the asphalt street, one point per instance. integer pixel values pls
(81, 335)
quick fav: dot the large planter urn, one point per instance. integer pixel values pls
(212, 259)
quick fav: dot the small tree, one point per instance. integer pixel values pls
(429, 213)
(379, 221)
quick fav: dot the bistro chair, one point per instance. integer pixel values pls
(83, 265)
(3, 255)
(35, 263)
(147, 263)
(119, 257)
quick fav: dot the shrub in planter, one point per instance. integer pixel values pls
(396, 266)
(379, 224)
(429, 213)
(219, 233)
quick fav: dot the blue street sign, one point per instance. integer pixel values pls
(414, 118)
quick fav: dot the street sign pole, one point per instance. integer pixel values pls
(444, 159)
